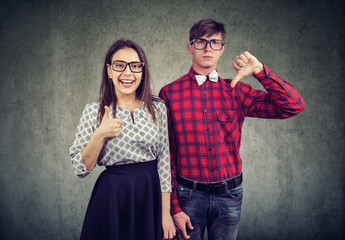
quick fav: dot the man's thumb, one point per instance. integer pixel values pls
(235, 80)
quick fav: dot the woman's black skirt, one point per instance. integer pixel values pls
(125, 204)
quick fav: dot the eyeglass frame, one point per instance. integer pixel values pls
(127, 64)
(207, 42)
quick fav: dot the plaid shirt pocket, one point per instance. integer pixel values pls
(228, 125)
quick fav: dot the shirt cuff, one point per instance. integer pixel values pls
(79, 167)
(175, 207)
(263, 73)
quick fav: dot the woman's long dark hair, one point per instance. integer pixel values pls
(107, 94)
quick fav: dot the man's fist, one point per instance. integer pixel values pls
(245, 65)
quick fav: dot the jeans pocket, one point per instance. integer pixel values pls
(227, 121)
(236, 192)
(184, 193)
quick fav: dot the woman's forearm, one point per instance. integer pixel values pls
(92, 150)
(166, 202)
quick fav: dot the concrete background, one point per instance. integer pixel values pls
(51, 56)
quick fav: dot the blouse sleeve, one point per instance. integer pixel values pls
(83, 133)
(163, 157)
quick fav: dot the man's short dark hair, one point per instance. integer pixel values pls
(206, 27)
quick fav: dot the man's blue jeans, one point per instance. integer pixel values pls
(220, 213)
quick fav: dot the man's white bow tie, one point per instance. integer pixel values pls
(213, 76)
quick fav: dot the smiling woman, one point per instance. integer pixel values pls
(125, 131)
(116, 74)
(125, 80)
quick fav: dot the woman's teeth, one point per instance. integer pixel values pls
(127, 81)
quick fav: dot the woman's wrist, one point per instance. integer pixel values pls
(99, 136)
(166, 211)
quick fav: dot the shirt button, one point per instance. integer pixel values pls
(205, 110)
(207, 129)
(204, 92)
(210, 149)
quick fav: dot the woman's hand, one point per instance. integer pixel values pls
(110, 127)
(167, 222)
(168, 226)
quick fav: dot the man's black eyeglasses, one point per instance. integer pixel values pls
(215, 44)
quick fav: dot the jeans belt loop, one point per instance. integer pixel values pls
(226, 186)
(194, 186)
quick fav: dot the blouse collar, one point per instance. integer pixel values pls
(123, 112)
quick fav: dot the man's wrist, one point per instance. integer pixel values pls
(258, 68)
(175, 210)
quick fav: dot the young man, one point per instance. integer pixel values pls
(206, 114)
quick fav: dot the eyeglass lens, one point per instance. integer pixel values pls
(120, 66)
(215, 44)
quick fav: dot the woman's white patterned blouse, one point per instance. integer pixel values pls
(140, 140)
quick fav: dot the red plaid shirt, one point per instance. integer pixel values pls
(205, 123)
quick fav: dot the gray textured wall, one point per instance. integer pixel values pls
(51, 55)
